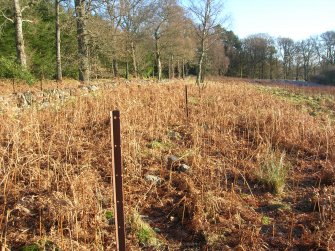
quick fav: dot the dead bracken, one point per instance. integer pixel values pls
(247, 170)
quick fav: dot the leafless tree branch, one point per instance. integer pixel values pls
(7, 18)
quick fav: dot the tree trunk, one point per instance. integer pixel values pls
(169, 68)
(159, 67)
(271, 68)
(159, 63)
(20, 49)
(285, 71)
(58, 52)
(115, 68)
(199, 75)
(262, 70)
(133, 55)
(153, 69)
(84, 71)
(178, 67)
(186, 70)
(306, 72)
(172, 67)
(297, 72)
(127, 70)
(183, 69)
(289, 71)
(201, 59)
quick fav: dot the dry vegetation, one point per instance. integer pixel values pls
(261, 177)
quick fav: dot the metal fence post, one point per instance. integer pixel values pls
(186, 102)
(117, 181)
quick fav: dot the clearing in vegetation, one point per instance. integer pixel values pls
(252, 168)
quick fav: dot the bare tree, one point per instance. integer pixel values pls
(20, 48)
(217, 59)
(297, 60)
(308, 53)
(134, 15)
(104, 36)
(206, 15)
(82, 37)
(157, 36)
(173, 35)
(58, 42)
(328, 41)
(113, 11)
(286, 49)
(163, 12)
(258, 51)
(18, 24)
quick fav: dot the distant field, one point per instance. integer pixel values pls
(261, 172)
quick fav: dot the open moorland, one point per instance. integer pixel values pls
(250, 168)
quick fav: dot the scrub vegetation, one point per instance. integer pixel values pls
(260, 170)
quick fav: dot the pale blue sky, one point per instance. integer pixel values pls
(297, 19)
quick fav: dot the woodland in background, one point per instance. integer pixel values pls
(147, 38)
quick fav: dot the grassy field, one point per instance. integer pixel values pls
(261, 173)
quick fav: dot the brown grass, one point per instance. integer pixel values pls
(55, 170)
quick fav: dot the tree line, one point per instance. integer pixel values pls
(264, 57)
(89, 39)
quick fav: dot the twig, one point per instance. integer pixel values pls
(245, 180)
(145, 195)
(7, 18)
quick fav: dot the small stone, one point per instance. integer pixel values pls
(93, 88)
(174, 135)
(84, 88)
(183, 168)
(171, 161)
(153, 179)
(174, 219)
(44, 105)
(29, 97)
(23, 99)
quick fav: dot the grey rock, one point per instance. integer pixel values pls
(44, 104)
(174, 135)
(93, 88)
(84, 88)
(29, 97)
(183, 168)
(24, 99)
(174, 219)
(153, 179)
(172, 161)
(63, 94)
(111, 85)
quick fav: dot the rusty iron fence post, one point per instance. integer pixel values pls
(13, 84)
(117, 181)
(186, 102)
(127, 70)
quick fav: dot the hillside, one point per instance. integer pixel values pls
(260, 168)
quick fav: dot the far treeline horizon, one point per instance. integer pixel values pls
(86, 40)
